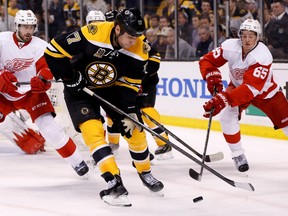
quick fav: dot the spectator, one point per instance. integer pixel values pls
(13, 7)
(169, 11)
(238, 14)
(267, 20)
(56, 18)
(161, 43)
(11, 25)
(189, 8)
(252, 7)
(205, 40)
(95, 5)
(151, 36)
(184, 28)
(72, 15)
(205, 7)
(163, 22)
(186, 51)
(220, 35)
(205, 21)
(222, 15)
(277, 31)
(195, 36)
(154, 23)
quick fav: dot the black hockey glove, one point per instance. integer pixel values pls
(76, 85)
(146, 96)
(111, 15)
(128, 125)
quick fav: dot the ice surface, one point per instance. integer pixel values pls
(45, 185)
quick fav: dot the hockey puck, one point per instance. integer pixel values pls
(198, 199)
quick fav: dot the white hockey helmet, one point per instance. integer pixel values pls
(95, 15)
(251, 25)
(25, 17)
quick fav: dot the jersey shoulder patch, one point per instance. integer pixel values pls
(94, 32)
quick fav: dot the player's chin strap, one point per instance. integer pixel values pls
(245, 186)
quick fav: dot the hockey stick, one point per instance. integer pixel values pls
(208, 158)
(245, 186)
(205, 147)
(206, 141)
(18, 84)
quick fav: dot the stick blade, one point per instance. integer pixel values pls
(195, 175)
(214, 157)
(245, 186)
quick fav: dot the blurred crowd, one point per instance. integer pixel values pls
(192, 37)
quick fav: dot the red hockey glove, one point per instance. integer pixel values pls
(39, 84)
(219, 102)
(6, 82)
(214, 80)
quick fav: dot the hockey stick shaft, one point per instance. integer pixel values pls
(18, 84)
(246, 186)
(207, 158)
(206, 143)
(207, 138)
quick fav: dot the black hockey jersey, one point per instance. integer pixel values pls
(93, 54)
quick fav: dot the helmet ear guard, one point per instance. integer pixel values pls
(130, 21)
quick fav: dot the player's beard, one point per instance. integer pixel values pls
(24, 37)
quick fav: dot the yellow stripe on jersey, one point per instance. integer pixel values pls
(53, 54)
(156, 58)
(129, 83)
(59, 49)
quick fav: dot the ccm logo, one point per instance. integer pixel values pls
(39, 105)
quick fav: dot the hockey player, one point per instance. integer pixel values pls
(114, 55)
(22, 60)
(251, 82)
(146, 101)
(95, 16)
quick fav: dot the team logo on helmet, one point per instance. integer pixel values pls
(101, 74)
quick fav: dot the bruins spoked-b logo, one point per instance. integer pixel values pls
(101, 74)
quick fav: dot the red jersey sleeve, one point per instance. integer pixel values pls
(43, 69)
(211, 61)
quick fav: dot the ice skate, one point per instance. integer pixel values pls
(164, 152)
(151, 182)
(114, 148)
(241, 163)
(116, 194)
(81, 169)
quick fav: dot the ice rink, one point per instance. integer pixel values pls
(45, 185)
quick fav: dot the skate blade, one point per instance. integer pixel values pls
(165, 156)
(85, 176)
(122, 200)
(157, 194)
